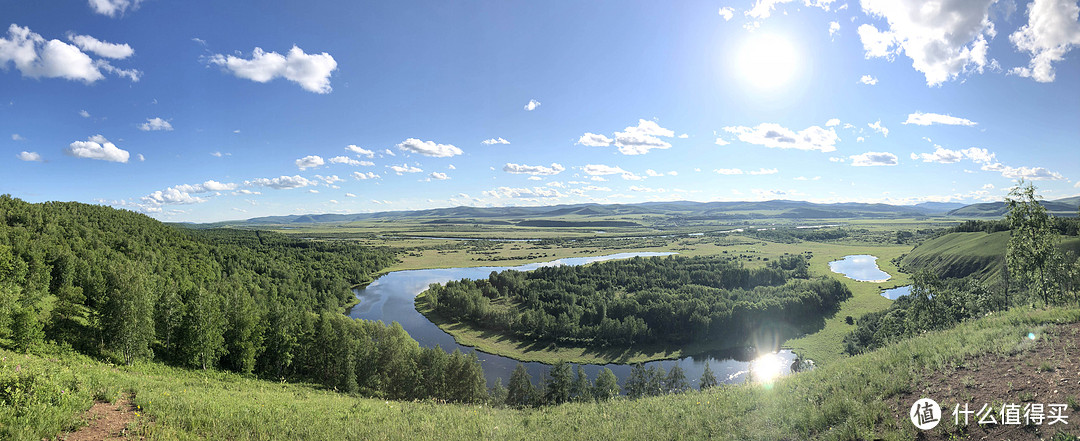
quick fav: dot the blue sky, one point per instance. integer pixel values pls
(207, 111)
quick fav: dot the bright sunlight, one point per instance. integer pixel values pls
(767, 61)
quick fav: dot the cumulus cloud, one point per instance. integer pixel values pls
(763, 8)
(185, 194)
(282, 182)
(942, 39)
(639, 139)
(870, 159)
(833, 122)
(945, 156)
(594, 140)
(884, 131)
(365, 176)
(360, 151)
(429, 148)
(727, 12)
(1028, 173)
(868, 80)
(349, 161)
(1051, 32)
(776, 136)
(97, 147)
(439, 176)
(596, 171)
(29, 156)
(405, 168)
(101, 48)
(112, 8)
(310, 161)
(493, 141)
(535, 192)
(17, 137)
(155, 124)
(84, 114)
(737, 171)
(311, 71)
(532, 105)
(834, 27)
(535, 170)
(36, 57)
(925, 119)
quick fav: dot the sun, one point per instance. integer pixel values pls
(767, 61)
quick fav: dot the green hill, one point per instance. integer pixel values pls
(957, 255)
(858, 397)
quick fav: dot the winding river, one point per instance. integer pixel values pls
(390, 298)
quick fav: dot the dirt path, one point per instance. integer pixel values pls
(107, 421)
(1047, 373)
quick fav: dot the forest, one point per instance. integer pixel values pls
(121, 286)
(666, 300)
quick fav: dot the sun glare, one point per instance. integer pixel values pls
(765, 368)
(768, 61)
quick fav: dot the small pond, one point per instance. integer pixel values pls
(861, 267)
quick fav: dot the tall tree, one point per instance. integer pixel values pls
(520, 391)
(202, 329)
(581, 389)
(128, 314)
(607, 385)
(676, 381)
(708, 380)
(1031, 252)
(558, 385)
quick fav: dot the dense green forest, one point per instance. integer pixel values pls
(670, 300)
(121, 286)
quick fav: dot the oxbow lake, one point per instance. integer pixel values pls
(390, 298)
(863, 267)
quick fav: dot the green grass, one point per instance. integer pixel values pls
(846, 399)
(976, 254)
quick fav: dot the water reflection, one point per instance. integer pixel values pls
(896, 293)
(391, 298)
(861, 267)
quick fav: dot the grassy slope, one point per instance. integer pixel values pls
(843, 400)
(962, 254)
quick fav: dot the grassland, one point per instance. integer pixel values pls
(975, 254)
(847, 399)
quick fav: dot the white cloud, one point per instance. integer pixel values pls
(532, 105)
(183, 194)
(405, 168)
(535, 192)
(860, 139)
(879, 128)
(764, 171)
(389, 152)
(365, 176)
(29, 156)
(311, 71)
(313, 191)
(639, 139)
(310, 161)
(112, 8)
(101, 48)
(729, 171)
(727, 12)
(1028, 173)
(536, 170)
(493, 141)
(155, 124)
(84, 114)
(429, 148)
(868, 80)
(17, 137)
(360, 151)
(946, 156)
(594, 140)
(804, 178)
(870, 159)
(350, 195)
(97, 147)
(282, 182)
(775, 136)
(721, 141)
(832, 122)
(140, 157)
(451, 167)
(942, 39)
(329, 180)
(598, 170)
(1051, 32)
(683, 136)
(988, 187)
(834, 27)
(36, 57)
(439, 176)
(925, 119)
(763, 8)
(736, 171)
(836, 159)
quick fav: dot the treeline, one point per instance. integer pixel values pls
(793, 235)
(122, 286)
(1065, 226)
(564, 384)
(642, 300)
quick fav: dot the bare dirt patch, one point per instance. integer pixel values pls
(106, 421)
(1046, 373)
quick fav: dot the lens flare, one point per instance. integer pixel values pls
(766, 368)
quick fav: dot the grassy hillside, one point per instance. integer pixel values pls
(977, 254)
(853, 398)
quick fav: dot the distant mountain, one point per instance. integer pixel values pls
(1060, 207)
(939, 207)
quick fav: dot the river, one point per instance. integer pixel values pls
(390, 298)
